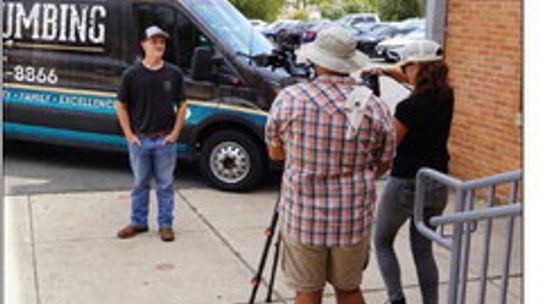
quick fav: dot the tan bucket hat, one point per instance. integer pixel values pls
(335, 49)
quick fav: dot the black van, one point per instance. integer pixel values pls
(63, 61)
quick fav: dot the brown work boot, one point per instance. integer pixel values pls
(131, 231)
(166, 234)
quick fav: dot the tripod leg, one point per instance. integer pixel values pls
(256, 281)
(274, 269)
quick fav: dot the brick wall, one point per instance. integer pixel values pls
(484, 52)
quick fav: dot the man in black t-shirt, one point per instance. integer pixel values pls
(151, 111)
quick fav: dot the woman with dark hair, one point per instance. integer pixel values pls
(422, 123)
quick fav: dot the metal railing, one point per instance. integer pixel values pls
(465, 221)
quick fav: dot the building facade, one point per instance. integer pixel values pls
(483, 46)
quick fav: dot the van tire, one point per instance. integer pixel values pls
(231, 161)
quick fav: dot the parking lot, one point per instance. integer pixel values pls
(379, 40)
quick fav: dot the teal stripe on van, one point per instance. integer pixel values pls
(199, 112)
(58, 100)
(106, 105)
(56, 133)
(88, 137)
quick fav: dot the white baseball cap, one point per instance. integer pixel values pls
(422, 50)
(155, 30)
(335, 49)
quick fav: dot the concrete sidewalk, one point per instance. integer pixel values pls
(62, 248)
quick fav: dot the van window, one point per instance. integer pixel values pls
(187, 38)
(231, 26)
(184, 35)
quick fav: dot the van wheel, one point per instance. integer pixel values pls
(231, 161)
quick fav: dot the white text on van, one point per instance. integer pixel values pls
(55, 22)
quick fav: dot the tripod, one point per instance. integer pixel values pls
(269, 234)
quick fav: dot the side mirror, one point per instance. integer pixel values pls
(202, 65)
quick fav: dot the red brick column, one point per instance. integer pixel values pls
(484, 52)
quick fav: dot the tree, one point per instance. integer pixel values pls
(373, 4)
(300, 14)
(359, 6)
(259, 9)
(393, 10)
(335, 10)
(302, 4)
(318, 2)
(422, 4)
(332, 11)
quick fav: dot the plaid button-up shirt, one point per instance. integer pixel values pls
(328, 186)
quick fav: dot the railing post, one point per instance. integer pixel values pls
(508, 248)
(457, 232)
(487, 242)
(468, 205)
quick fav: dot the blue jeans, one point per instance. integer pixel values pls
(153, 158)
(395, 208)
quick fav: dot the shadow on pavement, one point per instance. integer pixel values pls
(31, 168)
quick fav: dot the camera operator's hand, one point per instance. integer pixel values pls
(372, 71)
(394, 72)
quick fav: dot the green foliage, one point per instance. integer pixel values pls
(388, 9)
(259, 9)
(373, 4)
(393, 10)
(332, 11)
(359, 6)
(422, 5)
(300, 14)
(319, 2)
(303, 3)
(336, 10)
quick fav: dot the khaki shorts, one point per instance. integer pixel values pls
(308, 268)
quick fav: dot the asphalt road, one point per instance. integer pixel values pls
(31, 168)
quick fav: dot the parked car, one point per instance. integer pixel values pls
(258, 24)
(358, 19)
(282, 27)
(312, 28)
(369, 38)
(414, 22)
(392, 49)
(370, 27)
(395, 51)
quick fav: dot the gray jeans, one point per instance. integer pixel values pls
(395, 207)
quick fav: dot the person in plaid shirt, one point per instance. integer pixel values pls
(336, 138)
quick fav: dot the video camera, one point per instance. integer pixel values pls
(284, 57)
(288, 41)
(371, 81)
